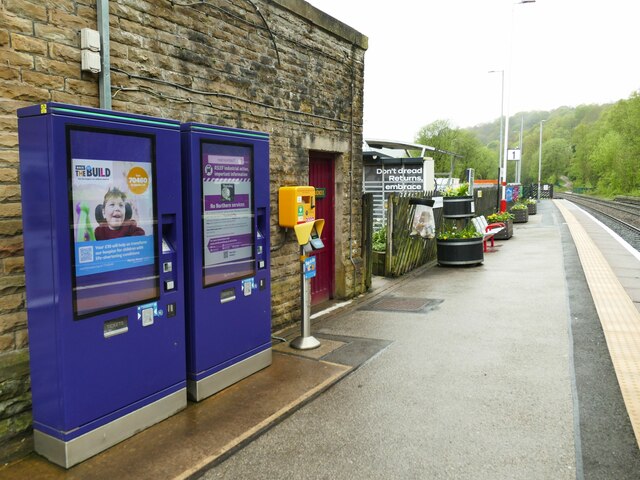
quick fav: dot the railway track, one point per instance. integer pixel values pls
(621, 215)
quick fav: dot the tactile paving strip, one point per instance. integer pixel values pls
(618, 315)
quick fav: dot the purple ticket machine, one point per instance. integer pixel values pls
(102, 216)
(226, 200)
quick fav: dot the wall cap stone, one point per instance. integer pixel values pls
(325, 21)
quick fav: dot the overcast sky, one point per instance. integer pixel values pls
(429, 59)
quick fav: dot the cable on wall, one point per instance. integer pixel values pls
(237, 17)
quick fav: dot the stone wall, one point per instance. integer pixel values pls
(278, 66)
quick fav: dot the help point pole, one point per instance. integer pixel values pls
(306, 341)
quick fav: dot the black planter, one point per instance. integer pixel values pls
(460, 251)
(458, 207)
(532, 208)
(520, 216)
(505, 233)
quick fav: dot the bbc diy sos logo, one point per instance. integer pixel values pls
(138, 180)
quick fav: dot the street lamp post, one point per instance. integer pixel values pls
(540, 158)
(500, 148)
(503, 164)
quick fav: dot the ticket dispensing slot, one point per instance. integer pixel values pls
(168, 257)
(261, 243)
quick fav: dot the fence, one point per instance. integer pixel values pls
(408, 251)
(531, 190)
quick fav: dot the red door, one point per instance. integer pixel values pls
(321, 176)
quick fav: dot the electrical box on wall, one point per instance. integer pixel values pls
(90, 44)
(296, 205)
(90, 40)
(90, 61)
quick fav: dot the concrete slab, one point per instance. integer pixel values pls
(203, 433)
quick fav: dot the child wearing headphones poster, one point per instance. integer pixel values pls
(112, 204)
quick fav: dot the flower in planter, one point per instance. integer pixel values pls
(529, 201)
(519, 206)
(461, 190)
(499, 217)
(451, 231)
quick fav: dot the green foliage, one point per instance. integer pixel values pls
(451, 230)
(595, 147)
(380, 240)
(500, 217)
(440, 134)
(529, 201)
(461, 190)
(519, 206)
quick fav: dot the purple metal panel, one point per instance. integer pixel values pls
(98, 379)
(222, 334)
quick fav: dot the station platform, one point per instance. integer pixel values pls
(508, 370)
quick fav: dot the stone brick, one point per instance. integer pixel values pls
(22, 43)
(81, 86)
(8, 140)
(11, 247)
(10, 156)
(64, 97)
(13, 23)
(9, 193)
(64, 53)
(22, 91)
(54, 82)
(24, 9)
(8, 123)
(60, 17)
(22, 338)
(17, 59)
(10, 210)
(12, 426)
(10, 227)
(53, 33)
(66, 5)
(8, 174)
(13, 265)
(55, 67)
(8, 73)
(7, 342)
(10, 284)
(4, 38)
(10, 322)
(15, 405)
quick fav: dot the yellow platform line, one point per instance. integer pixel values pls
(619, 317)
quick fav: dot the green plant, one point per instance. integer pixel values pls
(529, 201)
(450, 230)
(500, 217)
(519, 206)
(380, 240)
(461, 190)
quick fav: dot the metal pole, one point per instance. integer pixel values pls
(503, 166)
(540, 159)
(500, 148)
(305, 341)
(519, 162)
(104, 80)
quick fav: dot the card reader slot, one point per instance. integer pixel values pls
(228, 295)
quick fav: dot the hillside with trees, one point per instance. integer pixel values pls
(595, 147)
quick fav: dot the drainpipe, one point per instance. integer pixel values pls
(104, 80)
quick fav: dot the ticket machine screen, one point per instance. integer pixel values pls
(114, 221)
(227, 212)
